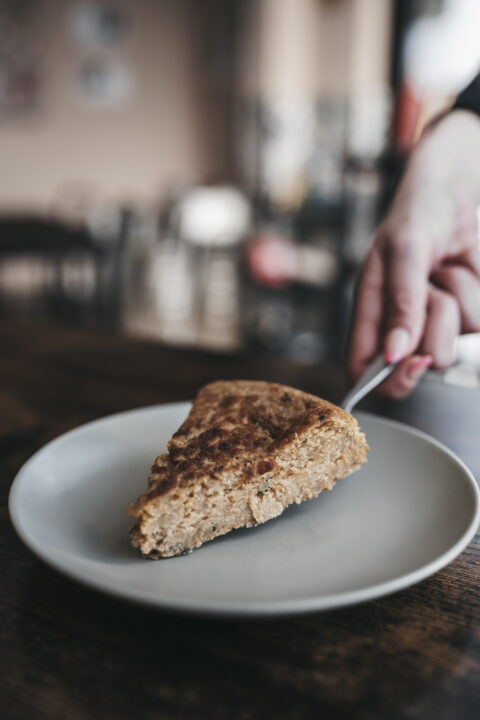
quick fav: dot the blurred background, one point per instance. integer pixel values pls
(209, 173)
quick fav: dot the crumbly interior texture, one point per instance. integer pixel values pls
(246, 451)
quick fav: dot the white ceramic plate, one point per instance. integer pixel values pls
(407, 513)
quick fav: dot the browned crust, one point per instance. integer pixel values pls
(232, 420)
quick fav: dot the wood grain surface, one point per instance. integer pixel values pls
(68, 652)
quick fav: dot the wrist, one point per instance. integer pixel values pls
(443, 170)
(449, 153)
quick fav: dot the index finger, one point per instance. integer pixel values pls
(365, 329)
(407, 271)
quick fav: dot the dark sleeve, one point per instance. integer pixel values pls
(469, 99)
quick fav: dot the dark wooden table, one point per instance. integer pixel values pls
(69, 652)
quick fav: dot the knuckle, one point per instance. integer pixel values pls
(400, 388)
(398, 385)
(444, 304)
(401, 306)
(442, 359)
(403, 236)
(400, 392)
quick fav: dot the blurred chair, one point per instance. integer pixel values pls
(57, 272)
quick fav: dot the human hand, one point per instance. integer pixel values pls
(420, 284)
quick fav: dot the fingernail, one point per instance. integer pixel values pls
(418, 366)
(396, 344)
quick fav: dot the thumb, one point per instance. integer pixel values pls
(407, 294)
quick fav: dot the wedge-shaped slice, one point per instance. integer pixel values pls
(246, 451)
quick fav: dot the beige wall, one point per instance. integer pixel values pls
(309, 48)
(175, 127)
(160, 137)
(370, 44)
